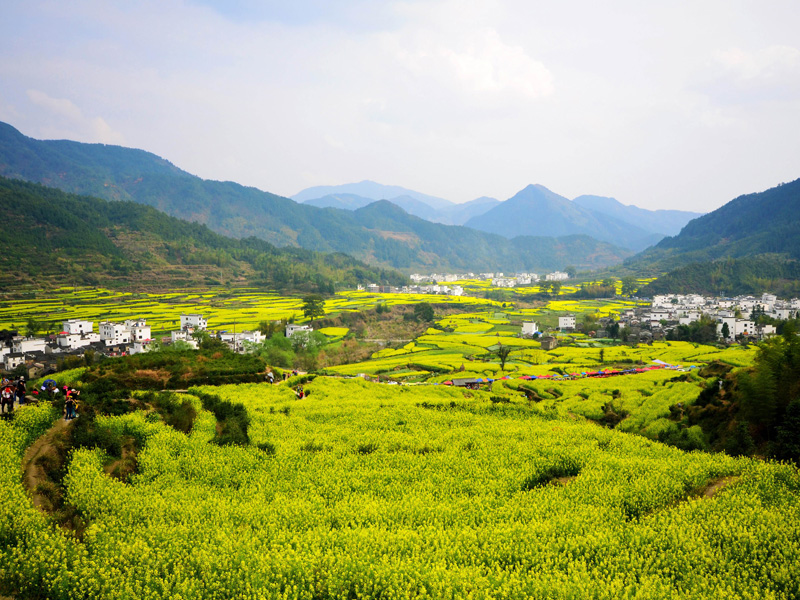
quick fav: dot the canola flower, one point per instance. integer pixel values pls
(401, 492)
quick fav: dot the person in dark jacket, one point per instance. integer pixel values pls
(21, 390)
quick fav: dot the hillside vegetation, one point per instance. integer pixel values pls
(764, 223)
(732, 277)
(58, 238)
(365, 490)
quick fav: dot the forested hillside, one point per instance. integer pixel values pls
(764, 223)
(731, 276)
(51, 236)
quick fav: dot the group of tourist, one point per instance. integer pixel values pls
(11, 391)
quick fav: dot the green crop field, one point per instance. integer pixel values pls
(366, 490)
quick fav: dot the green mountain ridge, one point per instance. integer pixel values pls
(387, 238)
(61, 238)
(762, 223)
(749, 245)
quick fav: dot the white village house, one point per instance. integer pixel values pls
(291, 329)
(566, 322)
(193, 321)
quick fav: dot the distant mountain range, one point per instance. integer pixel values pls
(533, 211)
(379, 234)
(351, 196)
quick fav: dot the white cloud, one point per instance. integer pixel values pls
(74, 123)
(769, 74)
(485, 64)
(457, 98)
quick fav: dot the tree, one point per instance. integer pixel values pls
(628, 286)
(313, 307)
(502, 353)
(423, 312)
(33, 326)
(726, 331)
(571, 271)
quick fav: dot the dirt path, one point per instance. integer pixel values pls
(718, 485)
(32, 472)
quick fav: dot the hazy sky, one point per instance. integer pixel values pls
(659, 104)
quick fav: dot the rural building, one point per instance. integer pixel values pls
(140, 330)
(529, 328)
(183, 336)
(556, 276)
(193, 321)
(21, 344)
(291, 329)
(71, 341)
(236, 341)
(77, 326)
(114, 333)
(13, 360)
(140, 346)
(548, 342)
(566, 322)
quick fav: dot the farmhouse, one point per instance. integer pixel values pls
(548, 342)
(114, 333)
(529, 328)
(77, 326)
(566, 322)
(291, 329)
(193, 321)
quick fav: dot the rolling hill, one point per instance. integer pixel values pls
(420, 205)
(664, 222)
(381, 236)
(60, 238)
(750, 244)
(763, 223)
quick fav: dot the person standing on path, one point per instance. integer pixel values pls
(6, 399)
(21, 390)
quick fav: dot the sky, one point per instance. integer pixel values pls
(682, 105)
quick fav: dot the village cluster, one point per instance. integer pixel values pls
(435, 282)
(41, 355)
(736, 318)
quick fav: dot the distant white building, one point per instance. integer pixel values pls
(556, 276)
(566, 322)
(140, 330)
(13, 360)
(291, 329)
(194, 322)
(736, 327)
(529, 328)
(77, 326)
(22, 344)
(184, 336)
(140, 346)
(76, 340)
(114, 333)
(237, 340)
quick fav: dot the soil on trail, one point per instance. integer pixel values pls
(717, 486)
(32, 470)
